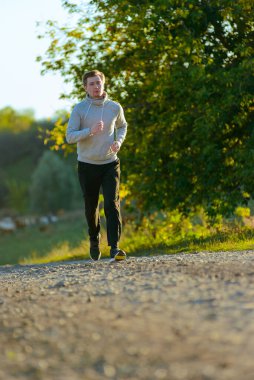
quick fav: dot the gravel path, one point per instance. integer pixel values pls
(175, 317)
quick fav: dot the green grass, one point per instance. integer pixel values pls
(32, 244)
(232, 239)
(67, 240)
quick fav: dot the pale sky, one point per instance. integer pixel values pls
(21, 83)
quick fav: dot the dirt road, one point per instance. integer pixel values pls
(178, 317)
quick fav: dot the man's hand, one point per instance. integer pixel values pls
(97, 128)
(115, 146)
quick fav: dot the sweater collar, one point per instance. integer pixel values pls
(98, 102)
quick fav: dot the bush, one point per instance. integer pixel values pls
(17, 195)
(53, 185)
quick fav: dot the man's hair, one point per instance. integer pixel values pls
(93, 73)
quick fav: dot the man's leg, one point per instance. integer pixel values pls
(110, 186)
(90, 182)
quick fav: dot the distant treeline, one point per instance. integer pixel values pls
(22, 154)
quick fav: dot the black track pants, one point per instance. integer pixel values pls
(92, 178)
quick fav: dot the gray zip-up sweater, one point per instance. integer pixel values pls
(95, 149)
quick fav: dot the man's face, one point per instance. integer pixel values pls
(94, 87)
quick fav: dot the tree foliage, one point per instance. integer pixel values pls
(183, 70)
(20, 150)
(53, 185)
(17, 195)
(15, 121)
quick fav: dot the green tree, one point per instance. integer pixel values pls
(17, 195)
(53, 185)
(14, 121)
(183, 69)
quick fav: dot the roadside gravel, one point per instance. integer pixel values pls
(174, 317)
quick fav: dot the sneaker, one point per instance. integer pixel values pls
(95, 252)
(117, 254)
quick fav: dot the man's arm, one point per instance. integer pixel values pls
(121, 126)
(73, 132)
(120, 131)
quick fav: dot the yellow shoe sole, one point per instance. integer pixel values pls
(121, 255)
